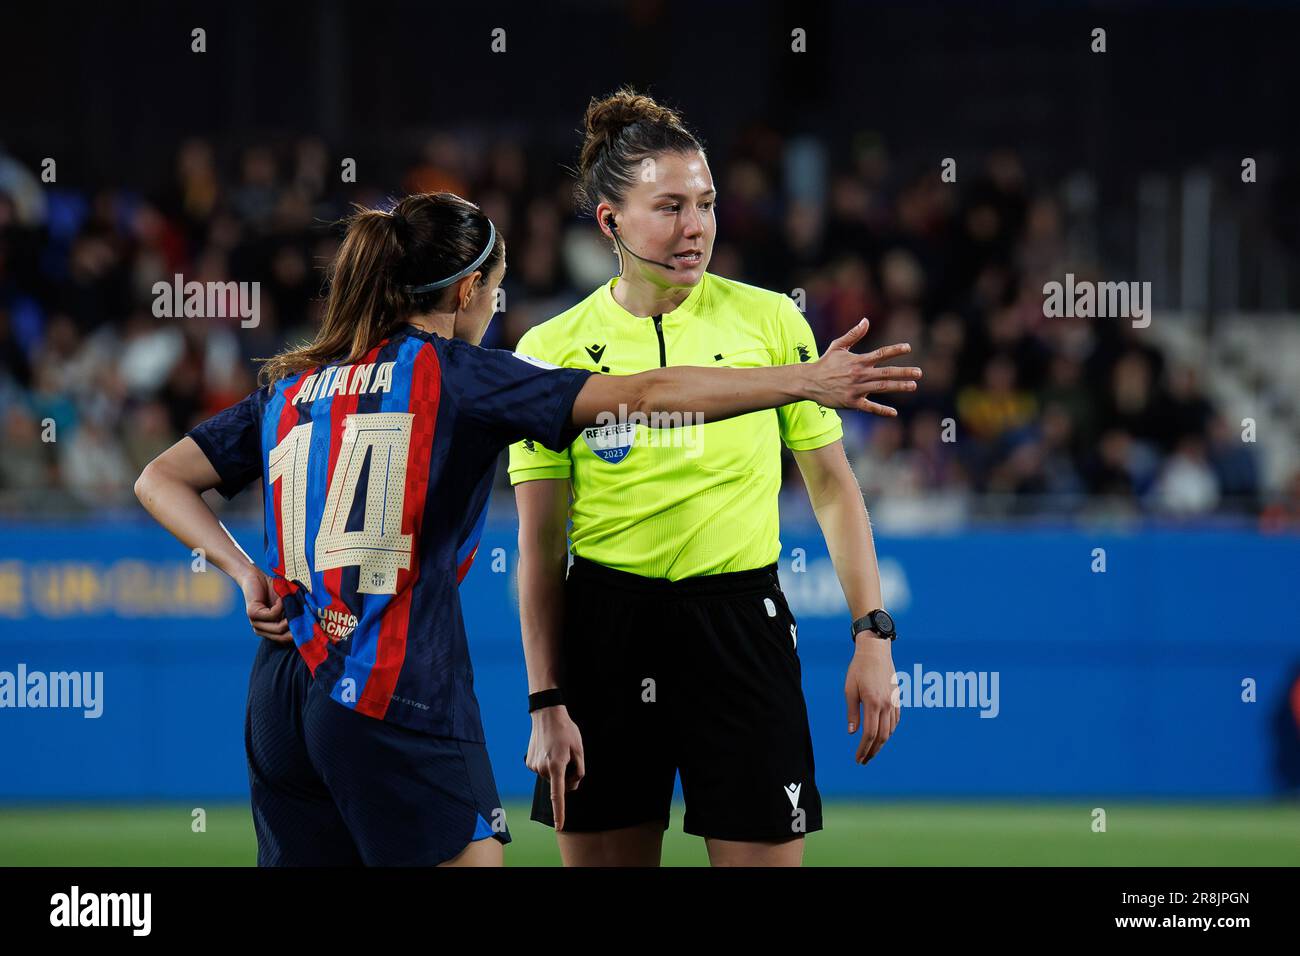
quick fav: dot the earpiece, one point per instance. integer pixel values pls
(613, 230)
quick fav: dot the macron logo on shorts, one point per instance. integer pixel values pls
(792, 791)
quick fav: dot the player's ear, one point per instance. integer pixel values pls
(465, 290)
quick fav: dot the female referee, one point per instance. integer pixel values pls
(670, 647)
(376, 444)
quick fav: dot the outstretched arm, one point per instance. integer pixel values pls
(839, 379)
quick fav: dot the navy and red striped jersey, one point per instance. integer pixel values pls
(376, 478)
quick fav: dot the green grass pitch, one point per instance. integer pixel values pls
(856, 834)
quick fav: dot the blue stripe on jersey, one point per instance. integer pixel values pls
(301, 625)
(270, 429)
(365, 639)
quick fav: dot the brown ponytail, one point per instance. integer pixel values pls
(425, 238)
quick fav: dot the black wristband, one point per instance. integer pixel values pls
(545, 698)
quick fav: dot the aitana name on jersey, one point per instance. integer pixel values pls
(346, 380)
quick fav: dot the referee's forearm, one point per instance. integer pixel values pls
(842, 515)
(543, 506)
(541, 611)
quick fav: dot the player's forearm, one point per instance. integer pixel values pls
(842, 515)
(718, 393)
(182, 511)
(710, 393)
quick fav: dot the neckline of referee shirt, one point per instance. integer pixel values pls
(687, 303)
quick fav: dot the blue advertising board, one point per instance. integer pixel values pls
(1026, 670)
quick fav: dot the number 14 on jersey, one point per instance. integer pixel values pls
(379, 548)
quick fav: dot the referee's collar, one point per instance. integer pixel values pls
(688, 303)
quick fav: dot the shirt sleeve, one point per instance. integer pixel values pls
(804, 425)
(513, 396)
(530, 460)
(232, 442)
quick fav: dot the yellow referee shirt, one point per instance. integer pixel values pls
(690, 500)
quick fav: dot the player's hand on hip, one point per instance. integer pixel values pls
(265, 608)
(846, 379)
(871, 692)
(555, 753)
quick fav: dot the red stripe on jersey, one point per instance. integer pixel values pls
(390, 651)
(465, 565)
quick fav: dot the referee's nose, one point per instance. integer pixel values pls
(693, 226)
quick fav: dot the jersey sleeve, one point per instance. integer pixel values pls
(530, 460)
(804, 425)
(232, 442)
(513, 396)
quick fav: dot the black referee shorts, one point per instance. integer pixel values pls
(699, 676)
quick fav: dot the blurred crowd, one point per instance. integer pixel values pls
(1018, 415)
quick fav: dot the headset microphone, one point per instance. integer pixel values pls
(613, 229)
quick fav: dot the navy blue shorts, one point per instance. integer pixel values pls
(331, 787)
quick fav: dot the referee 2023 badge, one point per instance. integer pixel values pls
(611, 443)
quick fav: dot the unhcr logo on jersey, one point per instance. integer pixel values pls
(337, 625)
(613, 436)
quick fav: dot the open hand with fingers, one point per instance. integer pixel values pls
(845, 379)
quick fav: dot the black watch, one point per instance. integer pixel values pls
(878, 621)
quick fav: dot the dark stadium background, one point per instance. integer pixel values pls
(1120, 691)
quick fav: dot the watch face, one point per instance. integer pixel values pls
(884, 622)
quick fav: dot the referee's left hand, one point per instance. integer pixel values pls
(870, 691)
(555, 753)
(844, 379)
